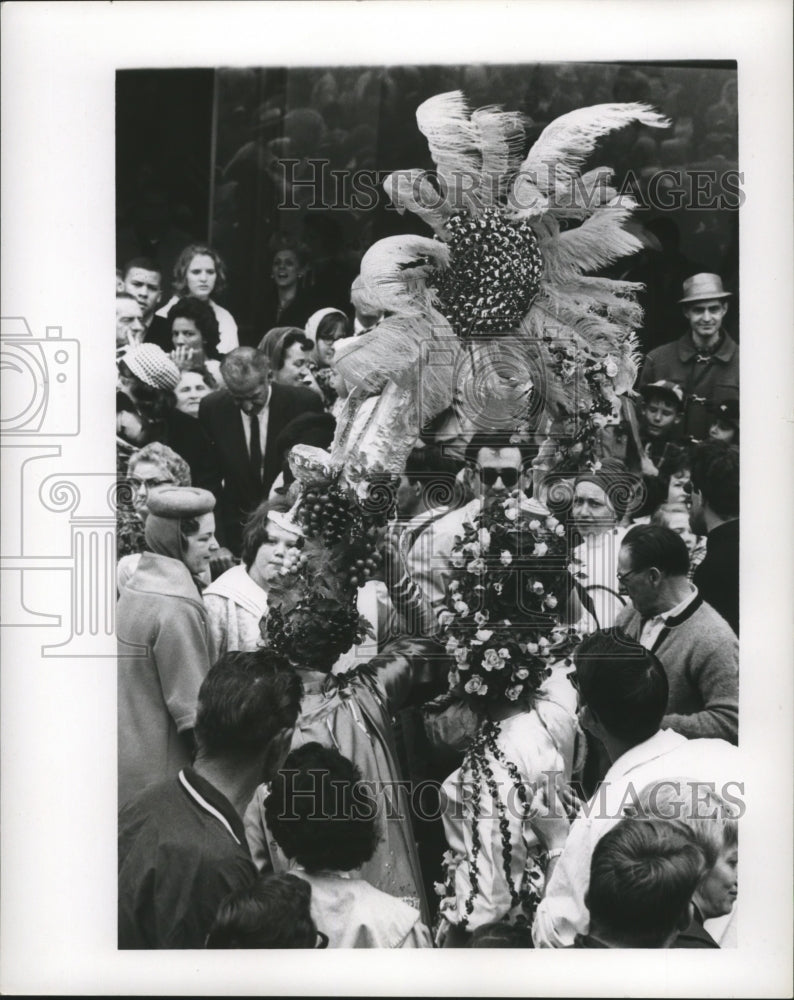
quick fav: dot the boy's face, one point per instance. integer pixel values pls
(722, 431)
(661, 415)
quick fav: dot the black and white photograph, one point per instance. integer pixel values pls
(431, 593)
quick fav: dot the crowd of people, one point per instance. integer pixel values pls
(360, 790)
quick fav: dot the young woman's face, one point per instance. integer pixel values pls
(185, 333)
(286, 269)
(202, 546)
(324, 351)
(201, 276)
(189, 393)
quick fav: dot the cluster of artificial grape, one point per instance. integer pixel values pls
(325, 511)
(292, 560)
(368, 560)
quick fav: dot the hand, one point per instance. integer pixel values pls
(182, 356)
(442, 932)
(548, 818)
(571, 802)
(647, 466)
(220, 562)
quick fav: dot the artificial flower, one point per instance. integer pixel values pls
(445, 618)
(550, 601)
(490, 660)
(476, 566)
(538, 587)
(461, 656)
(461, 607)
(480, 618)
(475, 685)
(540, 550)
(505, 558)
(534, 525)
(521, 674)
(504, 652)
(483, 634)
(513, 692)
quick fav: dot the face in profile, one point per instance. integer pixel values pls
(717, 892)
(295, 367)
(201, 547)
(145, 477)
(678, 488)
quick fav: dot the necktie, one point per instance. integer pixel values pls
(255, 452)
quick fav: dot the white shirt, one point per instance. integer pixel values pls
(562, 913)
(653, 626)
(262, 417)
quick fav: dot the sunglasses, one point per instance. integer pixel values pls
(508, 476)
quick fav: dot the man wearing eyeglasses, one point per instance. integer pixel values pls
(698, 649)
(495, 470)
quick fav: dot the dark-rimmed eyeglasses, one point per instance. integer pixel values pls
(508, 476)
(622, 577)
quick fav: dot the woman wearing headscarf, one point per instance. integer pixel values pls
(163, 639)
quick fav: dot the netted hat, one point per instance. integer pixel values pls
(152, 366)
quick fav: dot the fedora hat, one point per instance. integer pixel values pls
(700, 287)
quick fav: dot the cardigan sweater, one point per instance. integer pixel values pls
(700, 655)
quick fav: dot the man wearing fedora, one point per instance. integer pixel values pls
(705, 361)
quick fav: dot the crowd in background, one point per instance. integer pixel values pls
(227, 836)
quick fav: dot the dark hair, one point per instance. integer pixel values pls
(659, 546)
(500, 934)
(183, 264)
(715, 474)
(623, 683)
(677, 459)
(437, 476)
(144, 263)
(255, 531)
(293, 337)
(326, 328)
(495, 440)
(320, 812)
(273, 912)
(203, 315)
(642, 876)
(246, 699)
(654, 392)
(153, 403)
(316, 429)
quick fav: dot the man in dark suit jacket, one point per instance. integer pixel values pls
(243, 422)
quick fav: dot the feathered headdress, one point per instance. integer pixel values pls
(513, 242)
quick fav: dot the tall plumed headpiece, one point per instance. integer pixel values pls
(506, 272)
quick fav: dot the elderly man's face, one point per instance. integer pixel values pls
(129, 322)
(498, 472)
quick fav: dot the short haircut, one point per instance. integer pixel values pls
(659, 546)
(623, 683)
(677, 459)
(203, 315)
(244, 363)
(319, 812)
(279, 243)
(255, 530)
(500, 934)
(436, 474)
(166, 458)
(183, 264)
(272, 912)
(288, 340)
(652, 392)
(316, 429)
(714, 824)
(246, 699)
(715, 474)
(496, 441)
(144, 264)
(642, 876)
